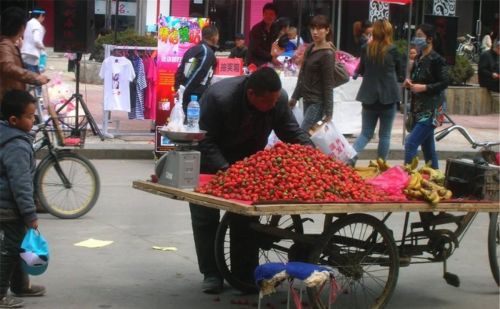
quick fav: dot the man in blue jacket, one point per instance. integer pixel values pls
(198, 66)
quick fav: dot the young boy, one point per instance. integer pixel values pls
(17, 208)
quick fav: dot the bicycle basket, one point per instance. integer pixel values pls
(468, 48)
(70, 135)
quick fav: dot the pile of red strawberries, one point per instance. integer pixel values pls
(291, 172)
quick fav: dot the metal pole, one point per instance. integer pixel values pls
(116, 21)
(300, 23)
(407, 73)
(479, 23)
(107, 21)
(339, 18)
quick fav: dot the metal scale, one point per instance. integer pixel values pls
(180, 167)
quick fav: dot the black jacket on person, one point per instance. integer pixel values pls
(261, 41)
(236, 130)
(488, 64)
(433, 72)
(199, 77)
(380, 79)
(239, 53)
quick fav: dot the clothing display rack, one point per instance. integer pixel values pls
(108, 49)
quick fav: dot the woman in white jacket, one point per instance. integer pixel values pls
(33, 48)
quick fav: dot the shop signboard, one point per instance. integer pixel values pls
(175, 36)
(229, 66)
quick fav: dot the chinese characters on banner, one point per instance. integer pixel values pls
(231, 67)
(175, 36)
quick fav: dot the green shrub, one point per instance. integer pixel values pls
(461, 72)
(401, 45)
(128, 37)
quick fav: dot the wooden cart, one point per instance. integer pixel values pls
(358, 246)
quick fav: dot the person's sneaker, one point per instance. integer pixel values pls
(33, 290)
(11, 302)
(212, 285)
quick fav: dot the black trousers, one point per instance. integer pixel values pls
(11, 272)
(244, 249)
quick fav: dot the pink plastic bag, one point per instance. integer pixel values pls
(392, 181)
(350, 62)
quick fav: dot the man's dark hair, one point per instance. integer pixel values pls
(270, 6)
(13, 19)
(37, 12)
(14, 103)
(209, 32)
(264, 80)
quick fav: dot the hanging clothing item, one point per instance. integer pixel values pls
(117, 73)
(138, 111)
(150, 93)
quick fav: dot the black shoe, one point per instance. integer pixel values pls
(212, 285)
(31, 291)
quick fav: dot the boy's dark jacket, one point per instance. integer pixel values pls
(17, 171)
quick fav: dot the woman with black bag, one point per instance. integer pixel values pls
(429, 79)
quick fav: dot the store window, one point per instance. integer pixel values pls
(126, 14)
(224, 14)
(291, 9)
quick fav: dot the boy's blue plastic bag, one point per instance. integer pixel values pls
(34, 253)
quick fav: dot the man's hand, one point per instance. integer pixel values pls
(417, 88)
(327, 119)
(33, 224)
(292, 102)
(495, 76)
(276, 62)
(42, 79)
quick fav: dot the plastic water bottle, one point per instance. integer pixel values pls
(193, 114)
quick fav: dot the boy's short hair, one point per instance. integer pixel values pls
(264, 80)
(14, 103)
(270, 6)
(292, 30)
(209, 32)
(13, 19)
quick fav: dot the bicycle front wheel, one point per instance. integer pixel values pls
(493, 246)
(73, 199)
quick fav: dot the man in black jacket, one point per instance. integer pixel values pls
(240, 50)
(197, 66)
(238, 114)
(488, 68)
(262, 37)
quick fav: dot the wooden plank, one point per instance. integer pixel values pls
(193, 197)
(291, 209)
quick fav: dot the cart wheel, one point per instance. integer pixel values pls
(493, 246)
(364, 256)
(238, 249)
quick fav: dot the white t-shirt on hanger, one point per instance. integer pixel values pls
(117, 73)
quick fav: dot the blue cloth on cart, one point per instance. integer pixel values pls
(303, 271)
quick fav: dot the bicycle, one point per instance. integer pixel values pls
(487, 156)
(469, 48)
(66, 183)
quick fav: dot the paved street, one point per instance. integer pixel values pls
(130, 274)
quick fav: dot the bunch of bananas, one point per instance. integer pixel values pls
(430, 190)
(375, 168)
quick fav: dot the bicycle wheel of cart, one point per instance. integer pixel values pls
(238, 249)
(364, 256)
(67, 201)
(493, 246)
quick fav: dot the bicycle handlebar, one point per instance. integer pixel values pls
(466, 134)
